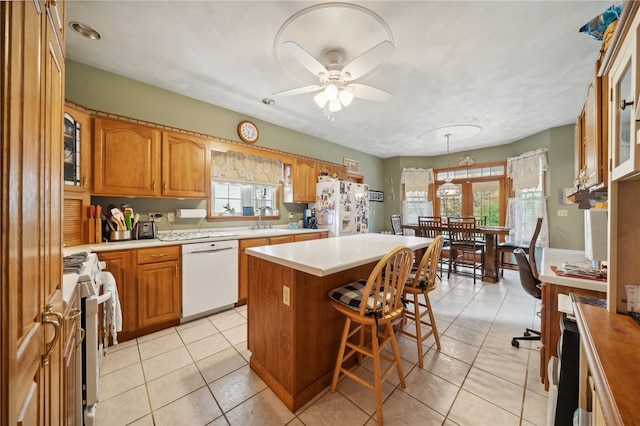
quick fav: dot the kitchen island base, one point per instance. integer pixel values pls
(294, 345)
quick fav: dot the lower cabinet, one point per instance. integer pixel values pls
(72, 335)
(243, 262)
(149, 288)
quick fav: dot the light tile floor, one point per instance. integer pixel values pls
(198, 373)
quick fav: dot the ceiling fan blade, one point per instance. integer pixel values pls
(305, 58)
(298, 91)
(366, 62)
(369, 93)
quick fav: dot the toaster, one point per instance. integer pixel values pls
(145, 231)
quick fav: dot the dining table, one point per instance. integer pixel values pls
(491, 233)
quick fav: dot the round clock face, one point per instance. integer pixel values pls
(248, 131)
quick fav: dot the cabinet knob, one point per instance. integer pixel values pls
(624, 104)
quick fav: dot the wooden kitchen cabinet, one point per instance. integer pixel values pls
(120, 264)
(126, 159)
(186, 165)
(243, 266)
(592, 132)
(149, 288)
(72, 336)
(158, 285)
(304, 180)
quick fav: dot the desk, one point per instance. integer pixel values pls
(609, 345)
(552, 285)
(293, 332)
(491, 270)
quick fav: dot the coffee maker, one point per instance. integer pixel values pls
(309, 219)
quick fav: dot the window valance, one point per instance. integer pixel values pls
(245, 168)
(525, 169)
(417, 177)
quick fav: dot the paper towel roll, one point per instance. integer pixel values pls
(191, 213)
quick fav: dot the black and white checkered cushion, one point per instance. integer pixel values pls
(351, 296)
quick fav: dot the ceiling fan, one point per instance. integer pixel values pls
(337, 84)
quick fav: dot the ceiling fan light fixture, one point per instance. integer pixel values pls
(335, 105)
(345, 97)
(320, 99)
(331, 91)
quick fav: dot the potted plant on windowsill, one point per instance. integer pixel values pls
(229, 210)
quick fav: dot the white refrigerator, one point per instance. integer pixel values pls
(342, 207)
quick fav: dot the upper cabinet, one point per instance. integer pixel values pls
(126, 159)
(304, 180)
(625, 157)
(135, 160)
(591, 132)
(77, 150)
(185, 166)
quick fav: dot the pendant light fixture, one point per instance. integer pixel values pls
(448, 188)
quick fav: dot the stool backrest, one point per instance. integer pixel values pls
(425, 276)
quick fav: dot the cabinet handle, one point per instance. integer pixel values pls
(624, 104)
(153, 186)
(56, 325)
(176, 271)
(155, 256)
(164, 187)
(82, 334)
(75, 313)
(85, 180)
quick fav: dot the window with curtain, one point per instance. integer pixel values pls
(415, 201)
(527, 174)
(244, 184)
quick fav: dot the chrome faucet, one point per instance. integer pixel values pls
(261, 210)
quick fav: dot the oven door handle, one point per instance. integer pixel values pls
(211, 251)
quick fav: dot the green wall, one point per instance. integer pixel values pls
(108, 92)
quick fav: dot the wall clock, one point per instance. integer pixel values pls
(248, 131)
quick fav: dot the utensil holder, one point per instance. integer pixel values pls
(120, 235)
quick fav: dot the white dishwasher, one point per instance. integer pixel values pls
(209, 278)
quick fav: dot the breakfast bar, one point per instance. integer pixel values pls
(293, 332)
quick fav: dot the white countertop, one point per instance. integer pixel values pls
(134, 244)
(556, 257)
(330, 255)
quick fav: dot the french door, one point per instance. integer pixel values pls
(478, 197)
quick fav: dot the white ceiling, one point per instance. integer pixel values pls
(514, 68)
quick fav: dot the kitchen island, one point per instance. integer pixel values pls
(293, 332)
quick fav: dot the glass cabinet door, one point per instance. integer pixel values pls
(71, 163)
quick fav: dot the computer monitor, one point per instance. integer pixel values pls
(595, 235)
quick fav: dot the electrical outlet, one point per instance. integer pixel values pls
(290, 215)
(562, 212)
(152, 216)
(171, 216)
(286, 295)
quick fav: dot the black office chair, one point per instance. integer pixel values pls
(532, 286)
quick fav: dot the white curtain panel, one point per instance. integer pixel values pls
(525, 169)
(411, 211)
(522, 215)
(417, 177)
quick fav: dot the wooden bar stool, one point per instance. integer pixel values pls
(419, 283)
(371, 305)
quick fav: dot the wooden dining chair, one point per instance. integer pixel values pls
(464, 250)
(372, 305)
(431, 227)
(420, 282)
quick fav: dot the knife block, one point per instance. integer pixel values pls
(94, 230)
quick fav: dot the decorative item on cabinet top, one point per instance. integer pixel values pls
(352, 165)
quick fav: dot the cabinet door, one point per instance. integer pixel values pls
(592, 155)
(120, 264)
(126, 159)
(281, 239)
(307, 237)
(304, 181)
(341, 171)
(624, 155)
(159, 297)
(185, 166)
(77, 150)
(243, 265)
